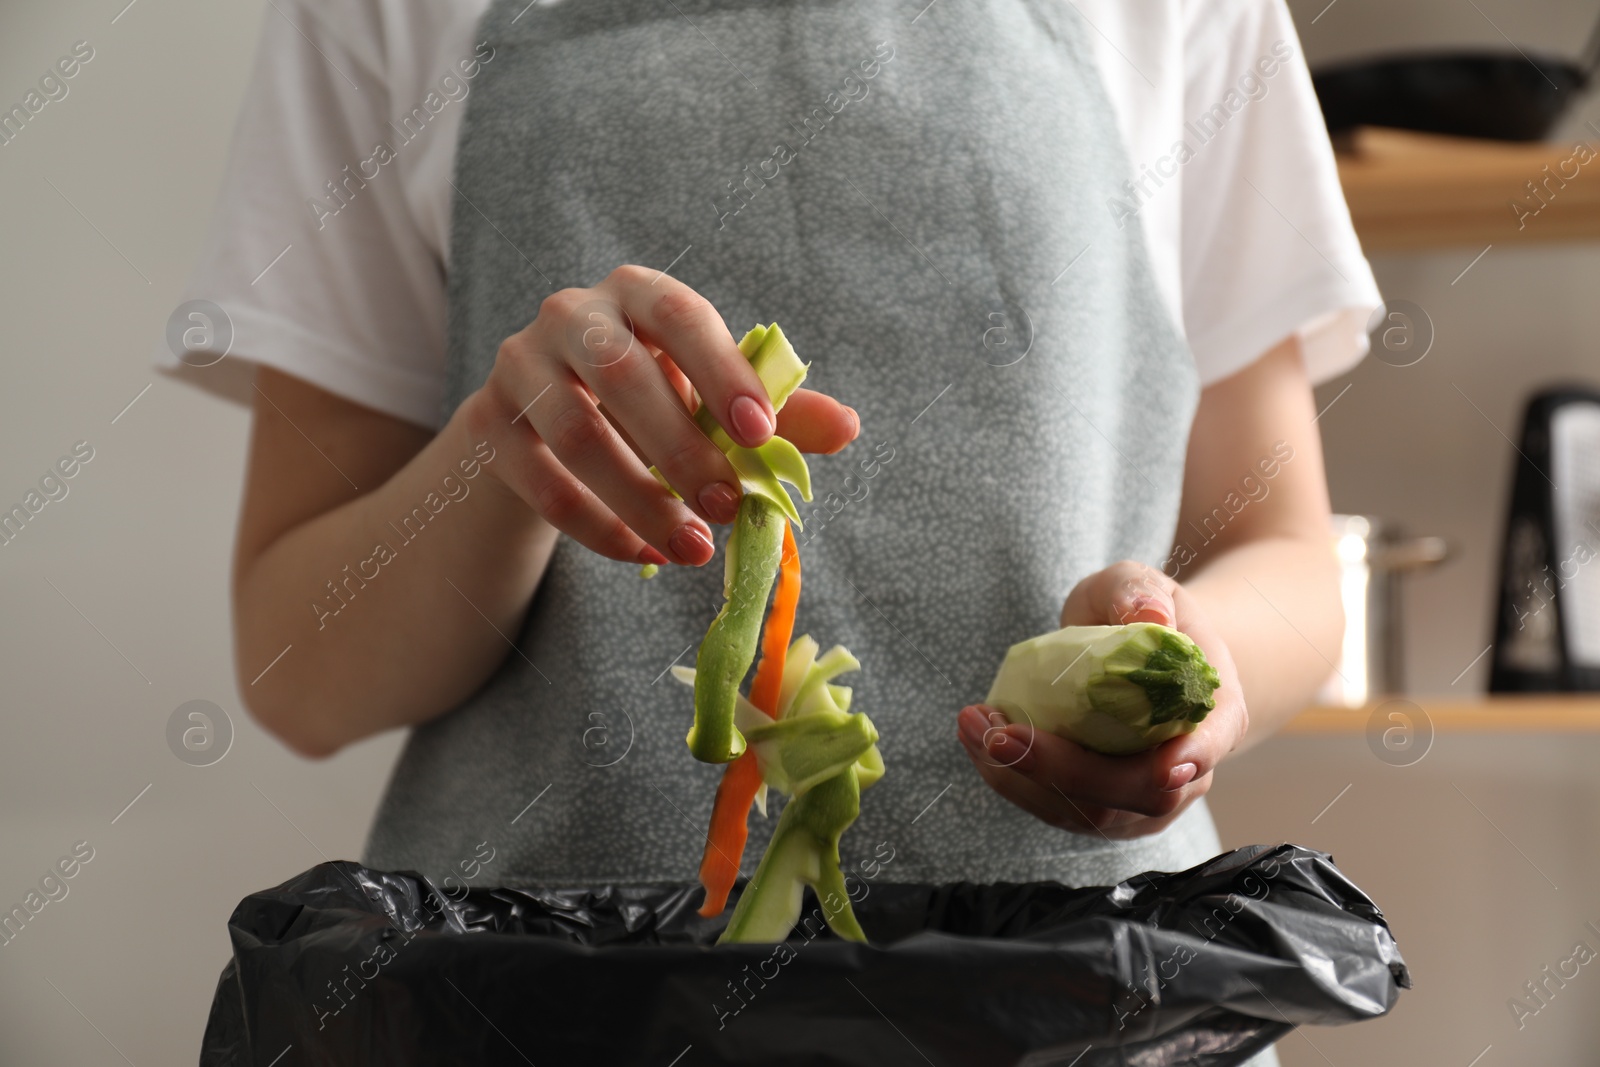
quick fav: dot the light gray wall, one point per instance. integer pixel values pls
(139, 547)
(115, 607)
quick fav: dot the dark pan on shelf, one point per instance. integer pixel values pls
(1504, 97)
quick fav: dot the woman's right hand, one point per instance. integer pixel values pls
(596, 389)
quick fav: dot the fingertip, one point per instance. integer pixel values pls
(971, 725)
(1151, 608)
(1021, 731)
(691, 545)
(1180, 776)
(751, 419)
(1014, 747)
(846, 432)
(816, 423)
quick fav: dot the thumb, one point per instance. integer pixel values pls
(1121, 593)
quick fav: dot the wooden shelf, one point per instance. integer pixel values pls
(1416, 190)
(1552, 714)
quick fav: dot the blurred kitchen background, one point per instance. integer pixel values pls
(1474, 823)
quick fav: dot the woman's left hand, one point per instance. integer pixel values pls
(1086, 792)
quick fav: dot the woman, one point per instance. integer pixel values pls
(1065, 273)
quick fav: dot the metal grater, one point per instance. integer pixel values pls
(1547, 631)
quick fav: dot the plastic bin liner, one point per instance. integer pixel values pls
(348, 966)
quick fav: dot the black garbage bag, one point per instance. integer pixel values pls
(348, 966)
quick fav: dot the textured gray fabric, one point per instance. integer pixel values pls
(918, 237)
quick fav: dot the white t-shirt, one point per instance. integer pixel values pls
(1233, 182)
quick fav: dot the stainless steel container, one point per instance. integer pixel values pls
(1373, 557)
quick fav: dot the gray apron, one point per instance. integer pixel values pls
(920, 200)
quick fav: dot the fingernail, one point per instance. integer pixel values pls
(650, 555)
(1142, 604)
(720, 501)
(971, 723)
(857, 417)
(1018, 754)
(690, 545)
(1181, 776)
(750, 419)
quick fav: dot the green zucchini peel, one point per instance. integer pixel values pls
(762, 469)
(822, 756)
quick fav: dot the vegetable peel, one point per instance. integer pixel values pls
(763, 468)
(804, 851)
(754, 550)
(822, 758)
(796, 732)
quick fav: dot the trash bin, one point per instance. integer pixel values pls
(344, 965)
